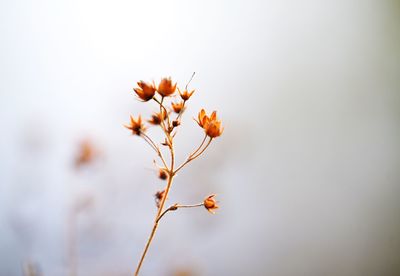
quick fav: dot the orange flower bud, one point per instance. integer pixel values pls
(177, 107)
(136, 126)
(162, 174)
(165, 88)
(211, 125)
(202, 118)
(175, 123)
(185, 95)
(146, 91)
(157, 118)
(213, 129)
(210, 204)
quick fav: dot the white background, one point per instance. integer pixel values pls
(306, 172)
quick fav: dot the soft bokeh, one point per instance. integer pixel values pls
(307, 171)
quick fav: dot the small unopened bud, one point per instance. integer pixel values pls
(178, 107)
(185, 95)
(176, 123)
(159, 195)
(162, 174)
(210, 204)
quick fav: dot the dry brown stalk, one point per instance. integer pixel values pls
(212, 129)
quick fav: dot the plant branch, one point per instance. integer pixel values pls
(72, 246)
(181, 112)
(155, 226)
(176, 206)
(162, 107)
(191, 78)
(162, 203)
(194, 155)
(199, 147)
(155, 147)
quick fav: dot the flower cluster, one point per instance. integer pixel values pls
(171, 103)
(147, 91)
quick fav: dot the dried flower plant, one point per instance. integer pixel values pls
(86, 153)
(31, 269)
(168, 118)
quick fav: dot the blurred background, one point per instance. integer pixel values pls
(307, 171)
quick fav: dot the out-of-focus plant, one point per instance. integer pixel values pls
(31, 269)
(86, 155)
(168, 118)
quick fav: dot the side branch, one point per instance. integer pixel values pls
(155, 147)
(155, 226)
(202, 143)
(195, 154)
(176, 206)
(164, 110)
(161, 207)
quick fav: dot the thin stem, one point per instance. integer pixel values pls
(72, 246)
(198, 154)
(160, 209)
(202, 143)
(190, 80)
(183, 106)
(155, 147)
(194, 155)
(155, 226)
(176, 206)
(172, 156)
(149, 141)
(181, 112)
(162, 107)
(153, 231)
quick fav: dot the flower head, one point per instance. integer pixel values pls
(146, 90)
(202, 118)
(157, 118)
(185, 95)
(178, 107)
(210, 204)
(136, 126)
(162, 174)
(176, 123)
(213, 129)
(210, 124)
(86, 153)
(166, 88)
